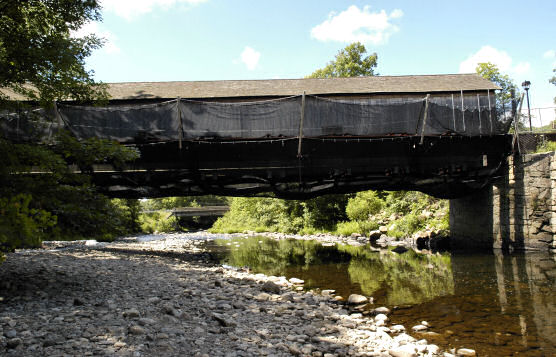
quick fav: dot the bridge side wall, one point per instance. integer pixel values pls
(517, 212)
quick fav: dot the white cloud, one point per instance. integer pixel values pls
(501, 59)
(130, 9)
(250, 57)
(549, 54)
(94, 28)
(355, 24)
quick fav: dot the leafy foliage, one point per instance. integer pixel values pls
(41, 174)
(363, 205)
(40, 60)
(349, 62)
(504, 100)
(20, 225)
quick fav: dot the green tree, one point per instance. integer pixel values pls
(553, 81)
(491, 72)
(349, 62)
(39, 59)
(41, 62)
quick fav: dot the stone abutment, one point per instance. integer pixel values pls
(518, 211)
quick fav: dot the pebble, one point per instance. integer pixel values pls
(465, 352)
(136, 330)
(417, 328)
(162, 297)
(297, 281)
(356, 299)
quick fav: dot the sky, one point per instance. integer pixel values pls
(192, 40)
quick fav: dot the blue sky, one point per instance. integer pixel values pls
(183, 40)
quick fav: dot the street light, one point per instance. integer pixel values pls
(526, 85)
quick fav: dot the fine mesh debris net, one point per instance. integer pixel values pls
(193, 120)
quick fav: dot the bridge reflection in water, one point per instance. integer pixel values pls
(497, 304)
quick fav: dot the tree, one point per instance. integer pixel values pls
(39, 59)
(41, 62)
(489, 71)
(553, 81)
(349, 62)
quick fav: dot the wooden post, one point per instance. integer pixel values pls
(479, 109)
(454, 113)
(301, 125)
(490, 112)
(462, 111)
(425, 119)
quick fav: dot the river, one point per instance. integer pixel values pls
(498, 304)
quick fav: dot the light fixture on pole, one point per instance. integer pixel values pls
(526, 85)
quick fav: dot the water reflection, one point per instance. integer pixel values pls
(501, 305)
(391, 278)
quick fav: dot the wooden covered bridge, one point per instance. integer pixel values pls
(294, 138)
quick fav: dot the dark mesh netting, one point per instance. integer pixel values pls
(27, 125)
(360, 118)
(270, 118)
(153, 122)
(190, 120)
(470, 122)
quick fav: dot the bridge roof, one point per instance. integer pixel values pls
(288, 87)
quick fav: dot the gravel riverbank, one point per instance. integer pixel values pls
(165, 298)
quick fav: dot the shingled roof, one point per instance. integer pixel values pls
(287, 87)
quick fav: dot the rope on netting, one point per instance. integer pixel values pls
(462, 111)
(301, 119)
(425, 119)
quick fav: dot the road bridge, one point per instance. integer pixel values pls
(290, 138)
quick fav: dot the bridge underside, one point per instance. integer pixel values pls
(443, 166)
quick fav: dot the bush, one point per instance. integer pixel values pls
(407, 225)
(361, 227)
(158, 222)
(21, 226)
(363, 205)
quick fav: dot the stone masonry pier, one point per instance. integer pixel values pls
(518, 211)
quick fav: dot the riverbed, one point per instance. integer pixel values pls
(158, 294)
(502, 305)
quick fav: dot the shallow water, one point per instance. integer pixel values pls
(499, 305)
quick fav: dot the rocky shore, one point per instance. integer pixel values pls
(164, 297)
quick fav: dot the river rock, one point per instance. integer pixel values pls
(13, 342)
(381, 317)
(403, 351)
(374, 235)
(356, 299)
(10, 333)
(465, 352)
(131, 313)
(381, 310)
(270, 287)
(223, 320)
(136, 330)
(418, 328)
(297, 281)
